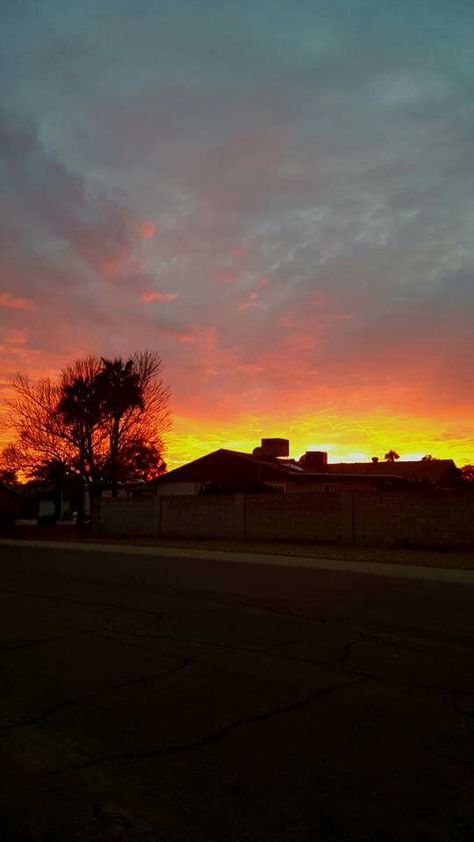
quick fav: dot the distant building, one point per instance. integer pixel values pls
(269, 469)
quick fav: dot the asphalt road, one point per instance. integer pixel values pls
(226, 701)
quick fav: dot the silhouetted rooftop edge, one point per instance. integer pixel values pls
(412, 471)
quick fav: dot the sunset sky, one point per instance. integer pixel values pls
(276, 195)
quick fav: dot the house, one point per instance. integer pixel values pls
(270, 469)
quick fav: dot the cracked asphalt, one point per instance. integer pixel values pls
(183, 699)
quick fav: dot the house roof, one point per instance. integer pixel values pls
(236, 465)
(431, 470)
(198, 468)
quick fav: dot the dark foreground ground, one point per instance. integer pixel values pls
(196, 700)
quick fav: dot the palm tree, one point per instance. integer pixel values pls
(79, 410)
(120, 387)
(467, 472)
(121, 393)
(91, 419)
(391, 456)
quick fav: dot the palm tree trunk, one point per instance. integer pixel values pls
(114, 440)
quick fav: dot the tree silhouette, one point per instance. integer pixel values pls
(103, 419)
(51, 473)
(120, 394)
(79, 414)
(391, 456)
(8, 476)
(140, 461)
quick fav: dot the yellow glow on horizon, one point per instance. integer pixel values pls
(353, 439)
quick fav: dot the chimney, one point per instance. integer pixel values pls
(314, 460)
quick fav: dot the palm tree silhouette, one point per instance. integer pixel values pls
(79, 409)
(121, 393)
(391, 456)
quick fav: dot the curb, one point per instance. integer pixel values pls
(398, 571)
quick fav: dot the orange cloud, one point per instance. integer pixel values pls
(16, 336)
(204, 337)
(146, 229)
(236, 250)
(226, 276)
(13, 303)
(251, 299)
(150, 295)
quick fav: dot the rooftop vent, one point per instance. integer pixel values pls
(314, 460)
(273, 448)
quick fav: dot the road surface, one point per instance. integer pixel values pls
(204, 700)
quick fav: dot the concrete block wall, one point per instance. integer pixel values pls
(138, 516)
(295, 517)
(202, 517)
(435, 519)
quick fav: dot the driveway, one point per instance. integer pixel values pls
(197, 699)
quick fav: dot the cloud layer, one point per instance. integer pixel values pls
(276, 196)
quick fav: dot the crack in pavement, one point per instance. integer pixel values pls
(336, 664)
(160, 615)
(184, 664)
(333, 665)
(348, 647)
(101, 627)
(340, 619)
(214, 736)
(73, 601)
(384, 640)
(456, 702)
(195, 597)
(42, 640)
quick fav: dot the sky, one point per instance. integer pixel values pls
(277, 196)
